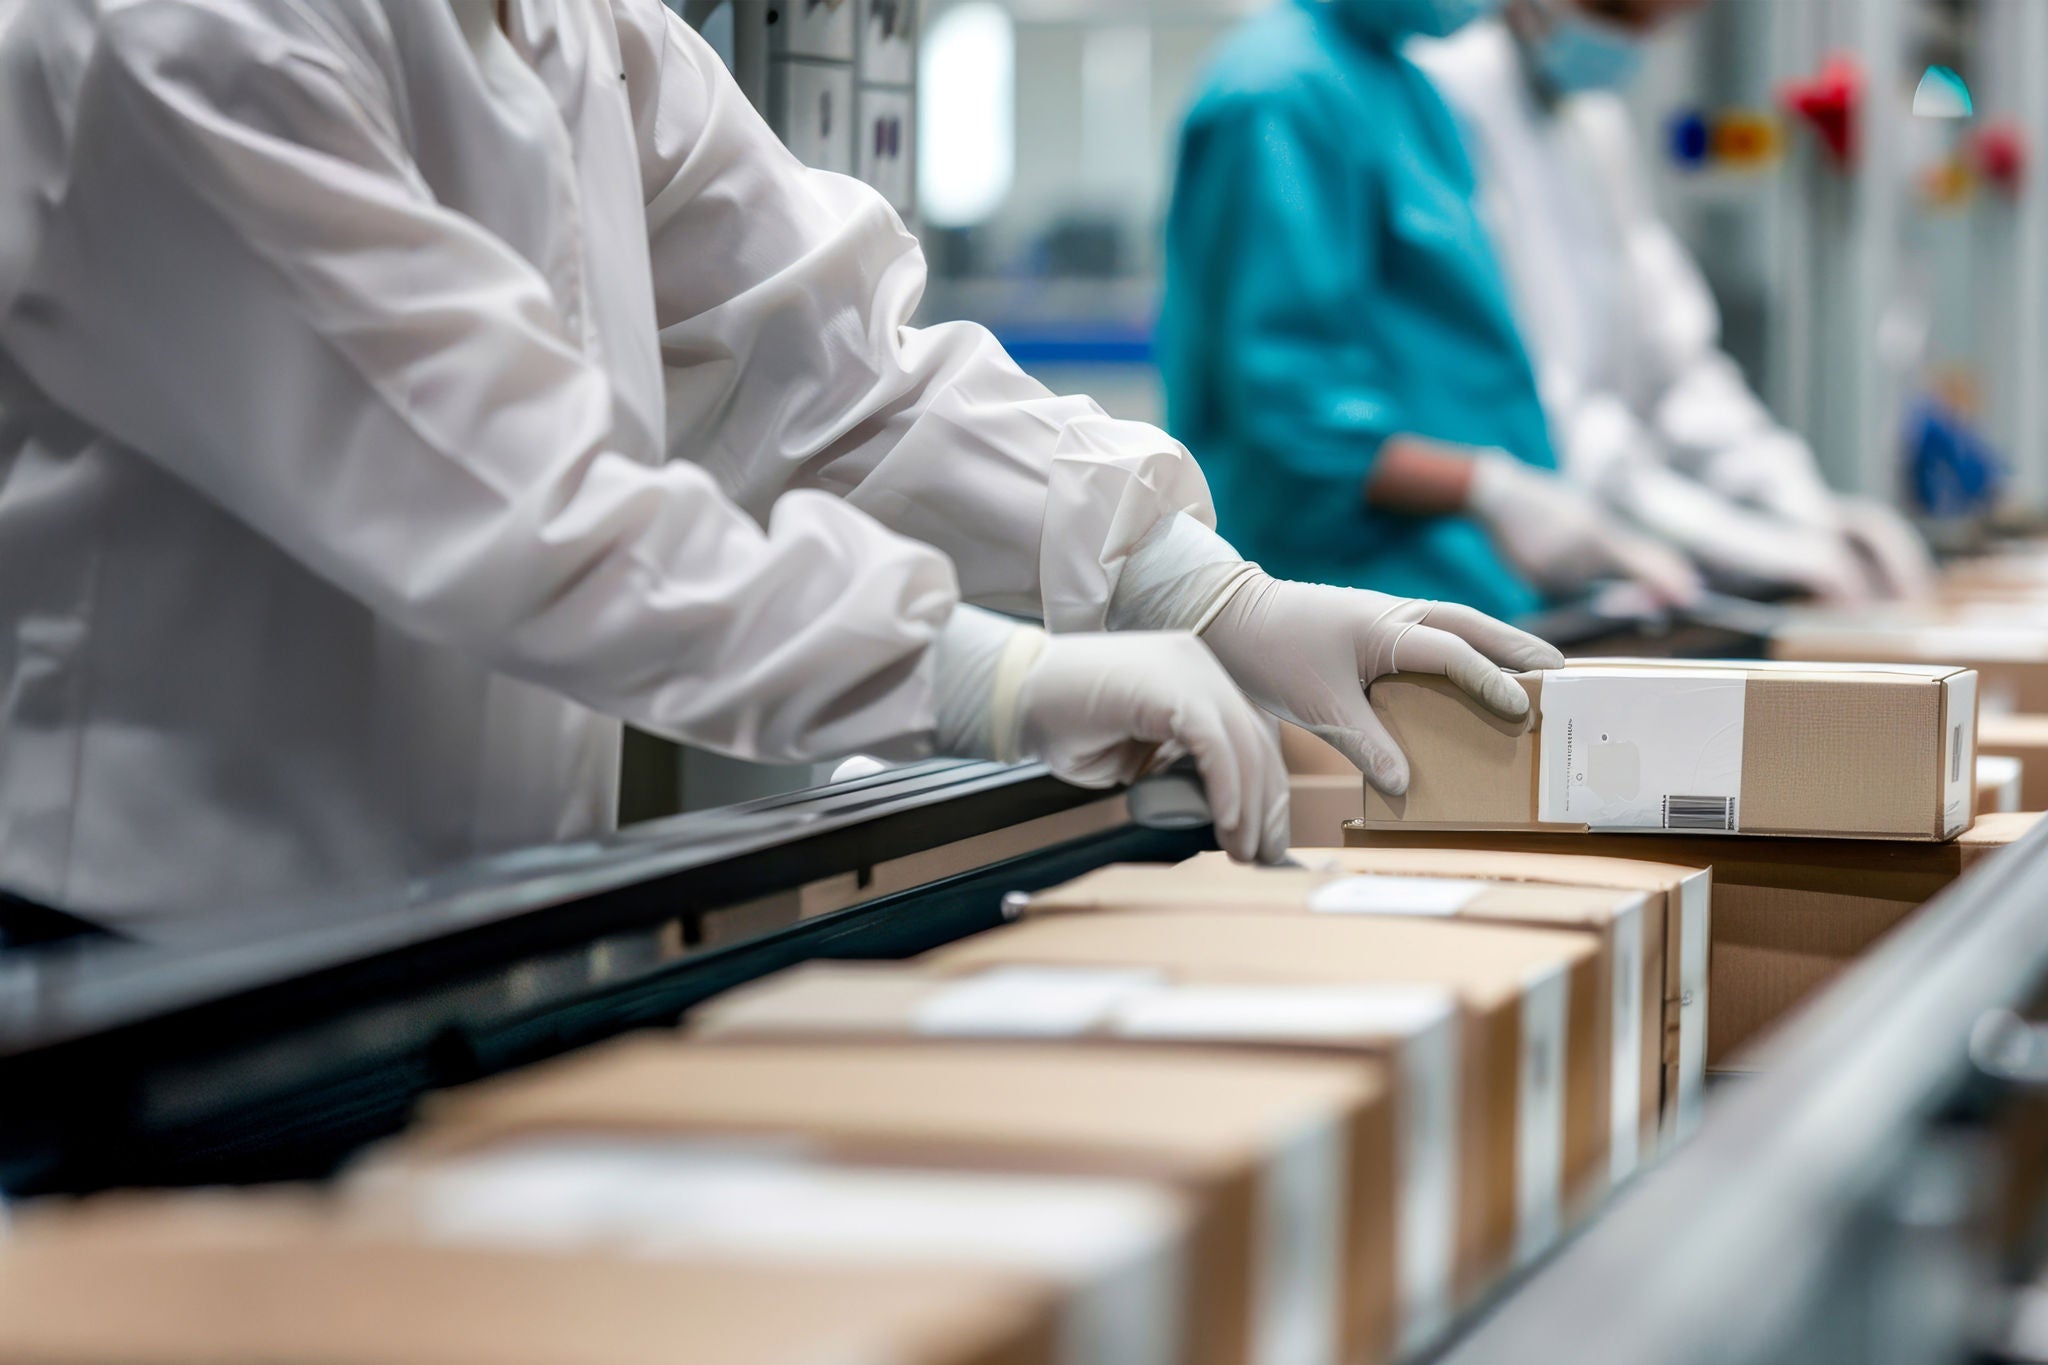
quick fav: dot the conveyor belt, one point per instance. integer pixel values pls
(278, 1058)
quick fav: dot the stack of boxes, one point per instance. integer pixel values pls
(1192, 1115)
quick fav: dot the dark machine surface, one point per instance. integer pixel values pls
(278, 1056)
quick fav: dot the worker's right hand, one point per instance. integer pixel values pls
(1563, 541)
(1103, 710)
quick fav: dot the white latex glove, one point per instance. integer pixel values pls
(1897, 559)
(1105, 710)
(1307, 653)
(1561, 539)
(1774, 472)
(1748, 549)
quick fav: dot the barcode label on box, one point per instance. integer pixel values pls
(1955, 753)
(1700, 813)
(1643, 750)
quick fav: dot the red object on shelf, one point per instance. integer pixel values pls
(2001, 153)
(1831, 100)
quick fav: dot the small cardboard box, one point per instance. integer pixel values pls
(1620, 1027)
(1112, 1251)
(1404, 1037)
(1320, 805)
(1515, 987)
(235, 1280)
(1788, 914)
(1877, 752)
(1273, 1153)
(2009, 657)
(2000, 780)
(1674, 949)
(2023, 737)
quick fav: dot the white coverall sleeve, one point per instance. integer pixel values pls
(785, 296)
(1700, 406)
(245, 279)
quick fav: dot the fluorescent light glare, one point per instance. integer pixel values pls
(967, 133)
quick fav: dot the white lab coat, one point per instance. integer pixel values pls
(1644, 405)
(389, 401)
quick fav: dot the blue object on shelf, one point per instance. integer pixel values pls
(1952, 470)
(1691, 140)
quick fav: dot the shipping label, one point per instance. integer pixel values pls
(1636, 750)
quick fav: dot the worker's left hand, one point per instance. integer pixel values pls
(1774, 472)
(1307, 653)
(1893, 553)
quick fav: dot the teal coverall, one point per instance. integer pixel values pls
(1329, 285)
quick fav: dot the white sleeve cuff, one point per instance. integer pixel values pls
(1177, 578)
(981, 660)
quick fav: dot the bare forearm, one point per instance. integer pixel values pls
(1421, 477)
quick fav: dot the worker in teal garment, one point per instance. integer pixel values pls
(1337, 342)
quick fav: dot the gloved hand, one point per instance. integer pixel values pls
(1103, 710)
(1307, 653)
(1560, 538)
(1897, 559)
(1747, 550)
(1774, 472)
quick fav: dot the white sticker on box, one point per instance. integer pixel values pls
(1539, 1113)
(1625, 1099)
(1695, 930)
(1115, 1242)
(1649, 749)
(1298, 1293)
(1426, 1249)
(1031, 1002)
(1959, 746)
(1280, 1014)
(1375, 895)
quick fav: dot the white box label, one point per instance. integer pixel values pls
(1539, 1103)
(1959, 779)
(1642, 750)
(1695, 940)
(1625, 1100)
(1375, 895)
(1298, 1293)
(1032, 1002)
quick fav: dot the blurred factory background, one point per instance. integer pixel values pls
(1882, 276)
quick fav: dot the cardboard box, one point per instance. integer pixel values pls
(1320, 806)
(2000, 780)
(237, 1281)
(1111, 1251)
(2009, 658)
(2024, 737)
(1515, 988)
(1679, 907)
(1620, 1027)
(1404, 1037)
(1780, 749)
(1788, 914)
(1272, 1153)
(1308, 756)
(1323, 788)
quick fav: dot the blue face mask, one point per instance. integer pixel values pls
(1430, 18)
(1579, 53)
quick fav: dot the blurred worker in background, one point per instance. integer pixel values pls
(394, 394)
(1337, 341)
(1645, 407)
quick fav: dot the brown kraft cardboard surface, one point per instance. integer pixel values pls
(1516, 987)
